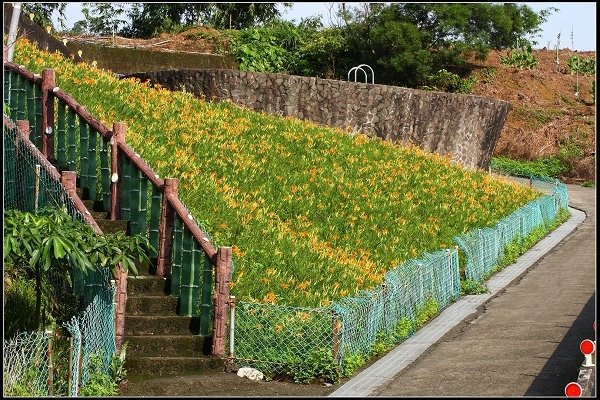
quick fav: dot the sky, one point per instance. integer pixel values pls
(576, 17)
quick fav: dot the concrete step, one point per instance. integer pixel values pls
(138, 325)
(108, 226)
(150, 285)
(151, 305)
(171, 365)
(167, 345)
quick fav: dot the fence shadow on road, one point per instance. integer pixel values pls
(563, 365)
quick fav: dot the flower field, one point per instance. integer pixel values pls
(312, 213)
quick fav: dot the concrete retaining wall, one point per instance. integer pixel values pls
(461, 126)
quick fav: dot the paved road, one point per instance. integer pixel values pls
(522, 340)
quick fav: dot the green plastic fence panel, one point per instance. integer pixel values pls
(105, 173)
(269, 337)
(72, 143)
(84, 157)
(143, 204)
(126, 187)
(8, 76)
(22, 99)
(92, 172)
(61, 150)
(10, 185)
(177, 256)
(38, 115)
(134, 198)
(155, 220)
(14, 95)
(94, 335)
(206, 305)
(188, 276)
(25, 362)
(34, 133)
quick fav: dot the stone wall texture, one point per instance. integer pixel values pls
(464, 127)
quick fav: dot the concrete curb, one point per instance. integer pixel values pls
(373, 378)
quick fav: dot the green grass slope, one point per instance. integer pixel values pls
(312, 213)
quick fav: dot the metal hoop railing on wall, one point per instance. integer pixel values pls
(357, 68)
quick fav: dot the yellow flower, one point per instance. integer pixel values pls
(79, 53)
(270, 298)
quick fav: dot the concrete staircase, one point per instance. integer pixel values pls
(158, 340)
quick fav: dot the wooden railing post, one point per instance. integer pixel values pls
(119, 129)
(222, 279)
(121, 281)
(23, 127)
(48, 84)
(165, 229)
(69, 180)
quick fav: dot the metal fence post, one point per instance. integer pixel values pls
(70, 374)
(231, 326)
(50, 366)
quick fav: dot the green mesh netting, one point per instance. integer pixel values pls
(485, 247)
(275, 337)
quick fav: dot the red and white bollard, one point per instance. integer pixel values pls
(573, 389)
(587, 347)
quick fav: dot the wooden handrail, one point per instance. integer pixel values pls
(137, 161)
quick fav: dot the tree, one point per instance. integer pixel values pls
(42, 13)
(407, 42)
(151, 19)
(51, 239)
(101, 18)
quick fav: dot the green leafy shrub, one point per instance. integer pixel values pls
(445, 81)
(19, 306)
(99, 383)
(522, 58)
(51, 244)
(579, 65)
(352, 363)
(470, 286)
(426, 312)
(317, 364)
(550, 166)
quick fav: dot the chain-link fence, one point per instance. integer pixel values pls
(275, 338)
(30, 183)
(93, 334)
(25, 364)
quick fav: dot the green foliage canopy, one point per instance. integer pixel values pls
(35, 243)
